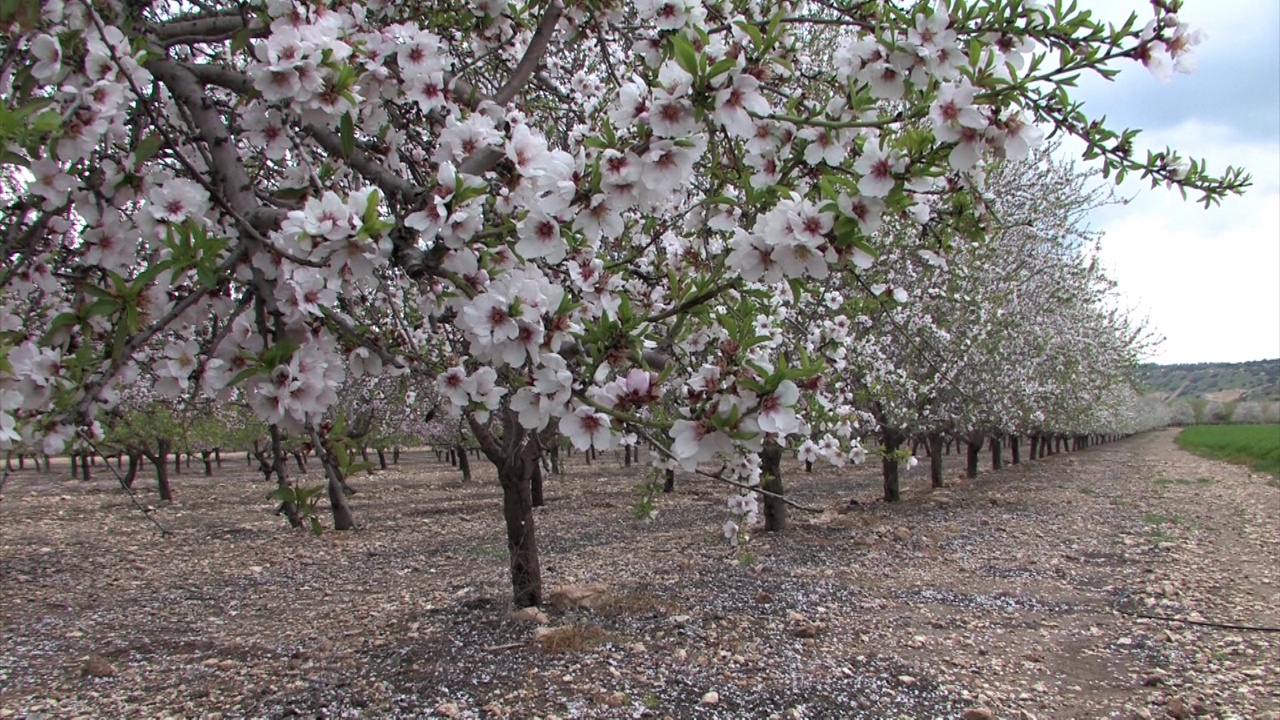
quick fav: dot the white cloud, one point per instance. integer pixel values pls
(1209, 280)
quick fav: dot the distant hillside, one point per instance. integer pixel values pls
(1223, 382)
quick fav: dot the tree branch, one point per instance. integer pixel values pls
(532, 55)
(211, 28)
(488, 444)
(486, 158)
(227, 171)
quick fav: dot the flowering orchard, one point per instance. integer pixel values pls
(564, 217)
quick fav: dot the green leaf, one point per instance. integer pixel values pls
(148, 147)
(371, 214)
(46, 122)
(752, 31)
(278, 354)
(94, 290)
(316, 528)
(347, 129)
(284, 494)
(292, 193)
(61, 321)
(101, 307)
(240, 40)
(144, 278)
(246, 374)
(721, 67)
(12, 158)
(207, 276)
(686, 56)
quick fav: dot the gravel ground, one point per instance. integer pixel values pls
(1019, 595)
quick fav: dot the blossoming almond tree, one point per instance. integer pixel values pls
(529, 201)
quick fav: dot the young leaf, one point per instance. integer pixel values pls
(346, 127)
(148, 147)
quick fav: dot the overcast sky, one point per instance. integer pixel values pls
(1207, 280)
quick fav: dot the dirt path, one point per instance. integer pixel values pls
(1019, 595)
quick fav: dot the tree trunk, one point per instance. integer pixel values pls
(336, 488)
(395, 455)
(535, 484)
(464, 464)
(161, 461)
(279, 466)
(973, 446)
(516, 476)
(1013, 449)
(453, 457)
(997, 444)
(892, 440)
(75, 466)
(556, 467)
(669, 483)
(299, 460)
(626, 456)
(86, 462)
(135, 459)
(177, 463)
(382, 458)
(208, 463)
(935, 460)
(775, 509)
(217, 457)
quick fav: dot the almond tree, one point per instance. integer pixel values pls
(534, 199)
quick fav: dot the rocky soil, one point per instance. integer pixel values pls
(1094, 584)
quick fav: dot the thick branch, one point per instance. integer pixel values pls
(391, 184)
(488, 443)
(228, 171)
(416, 262)
(486, 158)
(211, 28)
(532, 55)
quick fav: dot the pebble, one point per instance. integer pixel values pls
(1178, 709)
(711, 698)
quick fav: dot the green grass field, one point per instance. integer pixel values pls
(1257, 446)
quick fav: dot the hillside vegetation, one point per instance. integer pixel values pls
(1221, 382)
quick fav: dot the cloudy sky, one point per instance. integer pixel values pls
(1207, 280)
